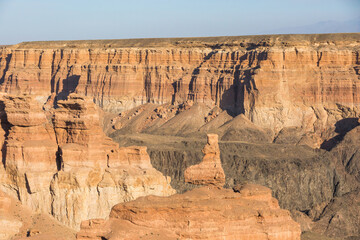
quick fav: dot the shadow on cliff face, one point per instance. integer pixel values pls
(5, 126)
(233, 99)
(243, 93)
(341, 128)
(69, 85)
(7, 63)
(195, 74)
(191, 93)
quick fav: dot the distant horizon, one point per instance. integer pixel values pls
(104, 39)
(41, 20)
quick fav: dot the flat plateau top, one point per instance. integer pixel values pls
(202, 42)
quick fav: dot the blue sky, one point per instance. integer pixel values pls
(30, 20)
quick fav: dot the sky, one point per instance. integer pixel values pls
(42, 20)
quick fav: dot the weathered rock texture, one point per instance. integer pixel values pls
(307, 82)
(341, 217)
(17, 222)
(203, 213)
(9, 226)
(304, 180)
(246, 212)
(64, 165)
(209, 171)
(251, 91)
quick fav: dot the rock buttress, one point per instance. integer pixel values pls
(209, 171)
(64, 165)
(210, 212)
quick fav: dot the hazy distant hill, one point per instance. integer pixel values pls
(321, 27)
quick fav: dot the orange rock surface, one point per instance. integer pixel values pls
(29, 151)
(209, 171)
(79, 135)
(30, 143)
(247, 212)
(61, 163)
(17, 222)
(304, 81)
(9, 225)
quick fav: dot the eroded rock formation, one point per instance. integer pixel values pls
(209, 171)
(64, 165)
(252, 91)
(307, 82)
(29, 151)
(9, 226)
(18, 222)
(246, 212)
(316, 184)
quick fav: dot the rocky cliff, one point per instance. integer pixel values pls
(18, 222)
(167, 94)
(9, 226)
(319, 187)
(209, 171)
(61, 162)
(209, 212)
(281, 81)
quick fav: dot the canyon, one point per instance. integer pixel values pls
(88, 125)
(209, 212)
(61, 163)
(298, 83)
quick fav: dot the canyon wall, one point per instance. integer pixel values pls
(304, 81)
(251, 91)
(60, 162)
(209, 211)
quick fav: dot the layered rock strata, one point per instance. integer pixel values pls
(17, 222)
(307, 82)
(29, 151)
(64, 165)
(319, 186)
(209, 171)
(247, 212)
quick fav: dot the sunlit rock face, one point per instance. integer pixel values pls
(210, 212)
(9, 225)
(209, 171)
(278, 82)
(290, 90)
(64, 165)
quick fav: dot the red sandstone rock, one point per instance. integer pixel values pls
(135, 156)
(79, 135)
(9, 225)
(307, 82)
(17, 222)
(203, 213)
(30, 143)
(209, 171)
(211, 212)
(29, 150)
(63, 164)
